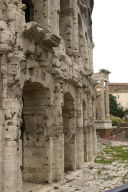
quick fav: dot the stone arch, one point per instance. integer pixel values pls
(35, 133)
(70, 89)
(36, 75)
(29, 11)
(69, 130)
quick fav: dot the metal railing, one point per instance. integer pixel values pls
(122, 188)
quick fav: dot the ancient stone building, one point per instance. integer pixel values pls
(47, 91)
(103, 122)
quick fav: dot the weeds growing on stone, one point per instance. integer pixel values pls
(112, 153)
(110, 178)
(125, 178)
(56, 187)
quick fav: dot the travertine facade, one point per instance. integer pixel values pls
(47, 92)
(103, 122)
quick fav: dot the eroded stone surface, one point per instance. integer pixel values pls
(47, 91)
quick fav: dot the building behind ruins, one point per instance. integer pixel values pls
(47, 91)
(120, 91)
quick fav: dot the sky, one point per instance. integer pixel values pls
(110, 36)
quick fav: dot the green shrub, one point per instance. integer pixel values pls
(56, 187)
(116, 120)
(115, 108)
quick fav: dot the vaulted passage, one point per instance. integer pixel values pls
(35, 143)
(69, 126)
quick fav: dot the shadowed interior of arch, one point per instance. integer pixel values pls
(68, 112)
(34, 132)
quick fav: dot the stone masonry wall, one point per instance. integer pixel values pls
(47, 91)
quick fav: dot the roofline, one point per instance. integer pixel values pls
(118, 84)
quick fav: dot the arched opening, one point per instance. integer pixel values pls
(29, 11)
(69, 130)
(34, 132)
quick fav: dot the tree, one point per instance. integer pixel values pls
(115, 108)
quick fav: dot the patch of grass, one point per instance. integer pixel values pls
(126, 166)
(107, 150)
(113, 153)
(110, 178)
(103, 161)
(56, 187)
(120, 152)
(99, 172)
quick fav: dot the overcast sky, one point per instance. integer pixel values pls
(110, 35)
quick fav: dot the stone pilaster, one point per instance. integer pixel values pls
(94, 128)
(90, 53)
(85, 137)
(75, 29)
(89, 129)
(1, 83)
(10, 166)
(90, 143)
(42, 14)
(58, 137)
(12, 169)
(66, 17)
(2, 121)
(79, 130)
(54, 18)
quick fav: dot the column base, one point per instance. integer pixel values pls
(104, 128)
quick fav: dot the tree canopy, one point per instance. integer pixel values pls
(115, 108)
